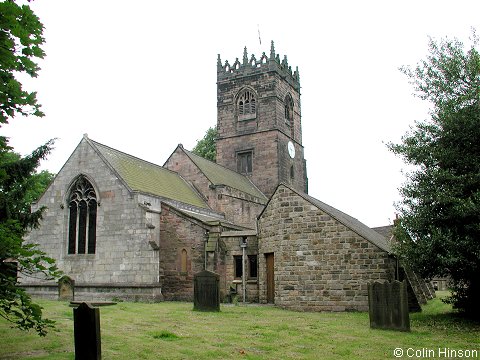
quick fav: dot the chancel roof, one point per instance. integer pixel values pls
(220, 175)
(145, 177)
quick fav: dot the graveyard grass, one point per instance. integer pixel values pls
(172, 330)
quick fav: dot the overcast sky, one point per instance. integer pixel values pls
(141, 77)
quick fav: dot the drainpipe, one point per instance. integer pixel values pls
(243, 245)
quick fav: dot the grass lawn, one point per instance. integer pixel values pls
(171, 330)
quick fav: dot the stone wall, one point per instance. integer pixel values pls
(177, 234)
(123, 251)
(237, 206)
(266, 135)
(232, 248)
(320, 264)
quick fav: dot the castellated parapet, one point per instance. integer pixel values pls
(254, 67)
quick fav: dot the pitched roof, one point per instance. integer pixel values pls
(212, 219)
(347, 220)
(143, 176)
(386, 231)
(220, 175)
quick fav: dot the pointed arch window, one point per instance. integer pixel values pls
(289, 114)
(183, 261)
(247, 105)
(82, 225)
(289, 110)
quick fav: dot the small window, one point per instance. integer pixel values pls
(247, 106)
(238, 268)
(252, 266)
(183, 261)
(292, 173)
(244, 162)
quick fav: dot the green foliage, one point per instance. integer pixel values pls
(20, 41)
(439, 231)
(19, 186)
(206, 147)
(164, 335)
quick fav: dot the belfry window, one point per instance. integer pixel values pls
(82, 226)
(247, 106)
(289, 110)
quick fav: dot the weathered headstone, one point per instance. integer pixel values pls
(66, 288)
(86, 330)
(206, 291)
(388, 305)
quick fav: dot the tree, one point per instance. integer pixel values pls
(439, 230)
(206, 147)
(20, 41)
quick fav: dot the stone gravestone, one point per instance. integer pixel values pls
(66, 288)
(86, 329)
(388, 305)
(206, 291)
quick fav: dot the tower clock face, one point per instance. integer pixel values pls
(291, 149)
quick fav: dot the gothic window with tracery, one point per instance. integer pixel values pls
(247, 106)
(82, 227)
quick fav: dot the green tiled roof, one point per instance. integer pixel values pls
(143, 176)
(220, 175)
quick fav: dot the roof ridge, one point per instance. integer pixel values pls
(194, 157)
(384, 246)
(96, 143)
(155, 186)
(214, 163)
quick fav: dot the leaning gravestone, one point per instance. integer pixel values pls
(206, 291)
(66, 288)
(86, 330)
(388, 305)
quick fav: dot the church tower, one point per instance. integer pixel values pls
(259, 121)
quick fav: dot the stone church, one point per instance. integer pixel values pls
(125, 228)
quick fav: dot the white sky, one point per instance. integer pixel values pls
(141, 77)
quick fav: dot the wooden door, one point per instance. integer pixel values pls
(269, 259)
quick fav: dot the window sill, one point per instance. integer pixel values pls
(247, 117)
(80, 256)
(248, 281)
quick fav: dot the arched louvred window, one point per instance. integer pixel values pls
(247, 105)
(82, 224)
(289, 110)
(289, 114)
